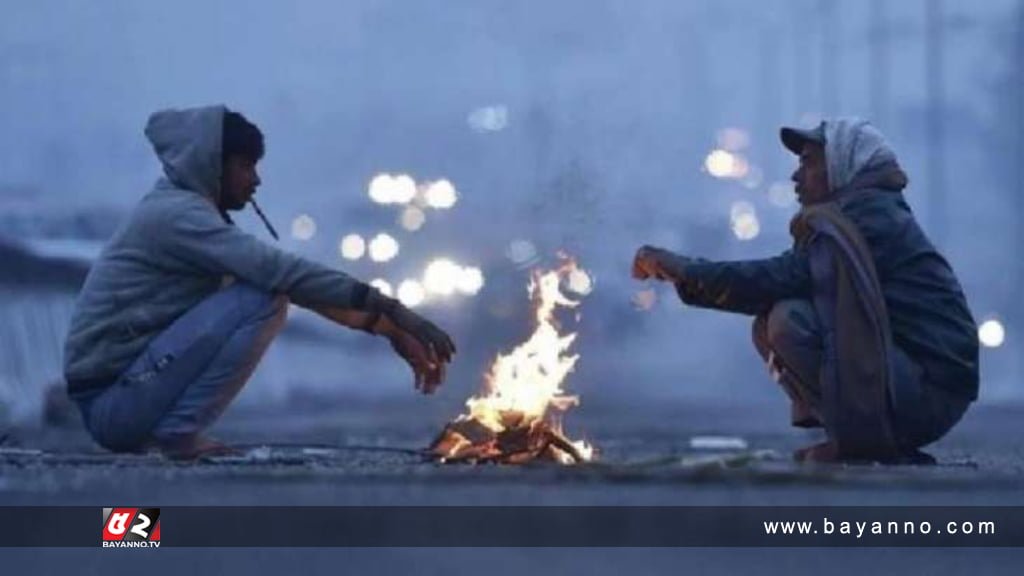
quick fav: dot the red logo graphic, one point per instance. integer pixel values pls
(131, 527)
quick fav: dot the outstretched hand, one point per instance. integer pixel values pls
(657, 263)
(425, 347)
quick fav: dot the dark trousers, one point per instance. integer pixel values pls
(789, 338)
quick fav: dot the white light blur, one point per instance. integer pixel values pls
(723, 164)
(412, 218)
(471, 280)
(411, 293)
(991, 333)
(782, 194)
(388, 189)
(733, 139)
(580, 282)
(383, 286)
(488, 118)
(441, 277)
(303, 227)
(743, 219)
(352, 247)
(521, 252)
(383, 248)
(440, 194)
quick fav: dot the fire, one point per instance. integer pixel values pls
(518, 417)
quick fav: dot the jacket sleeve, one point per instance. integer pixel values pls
(198, 238)
(746, 287)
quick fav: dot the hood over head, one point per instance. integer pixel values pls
(188, 144)
(859, 156)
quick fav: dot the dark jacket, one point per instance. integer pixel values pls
(928, 313)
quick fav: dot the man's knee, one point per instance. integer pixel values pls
(790, 323)
(255, 302)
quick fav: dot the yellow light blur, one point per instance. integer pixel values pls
(441, 277)
(411, 293)
(352, 247)
(744, 221)
(724, 164)
(383, 286)
(303, 227)
(383, 248)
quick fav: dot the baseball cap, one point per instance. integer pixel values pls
(795, 138)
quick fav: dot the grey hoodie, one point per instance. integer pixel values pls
(174, 251)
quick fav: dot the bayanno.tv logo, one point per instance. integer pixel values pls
(131, 528)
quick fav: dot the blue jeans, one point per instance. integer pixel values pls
(789, 337)
(189, 373)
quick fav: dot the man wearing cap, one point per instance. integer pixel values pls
(181, 305)
(862, 322)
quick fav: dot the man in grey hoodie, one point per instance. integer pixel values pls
(863, 323)
(181, 305)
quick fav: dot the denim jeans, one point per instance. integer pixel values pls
(789, 338)
(189, 373)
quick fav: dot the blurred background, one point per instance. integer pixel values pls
(445, 148)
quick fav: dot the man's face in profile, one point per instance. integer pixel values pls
(811, 176)
(238, 183)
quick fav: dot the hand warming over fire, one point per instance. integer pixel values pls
(425, 347)
(659, 264)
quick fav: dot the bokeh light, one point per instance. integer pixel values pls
(383, 248)
(303, 227)
(488, 118)
(743, 220)
(412, 218)
(580, 282)
(352, 247)
(440, 194)
(991, 333)
(383, 286)
(411, 293)
(723, 164)
(388, 189)
(441, 277)
(471, 280)
(521, 252)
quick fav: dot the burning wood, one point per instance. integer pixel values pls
(517, 419)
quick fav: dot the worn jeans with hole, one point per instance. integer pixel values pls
(789, 338)
(189, 373)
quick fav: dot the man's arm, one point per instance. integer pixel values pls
(198, 238)
(745, 287)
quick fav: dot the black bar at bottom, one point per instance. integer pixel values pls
(446, 526)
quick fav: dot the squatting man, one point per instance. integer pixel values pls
(181, 305)
(862, 322)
